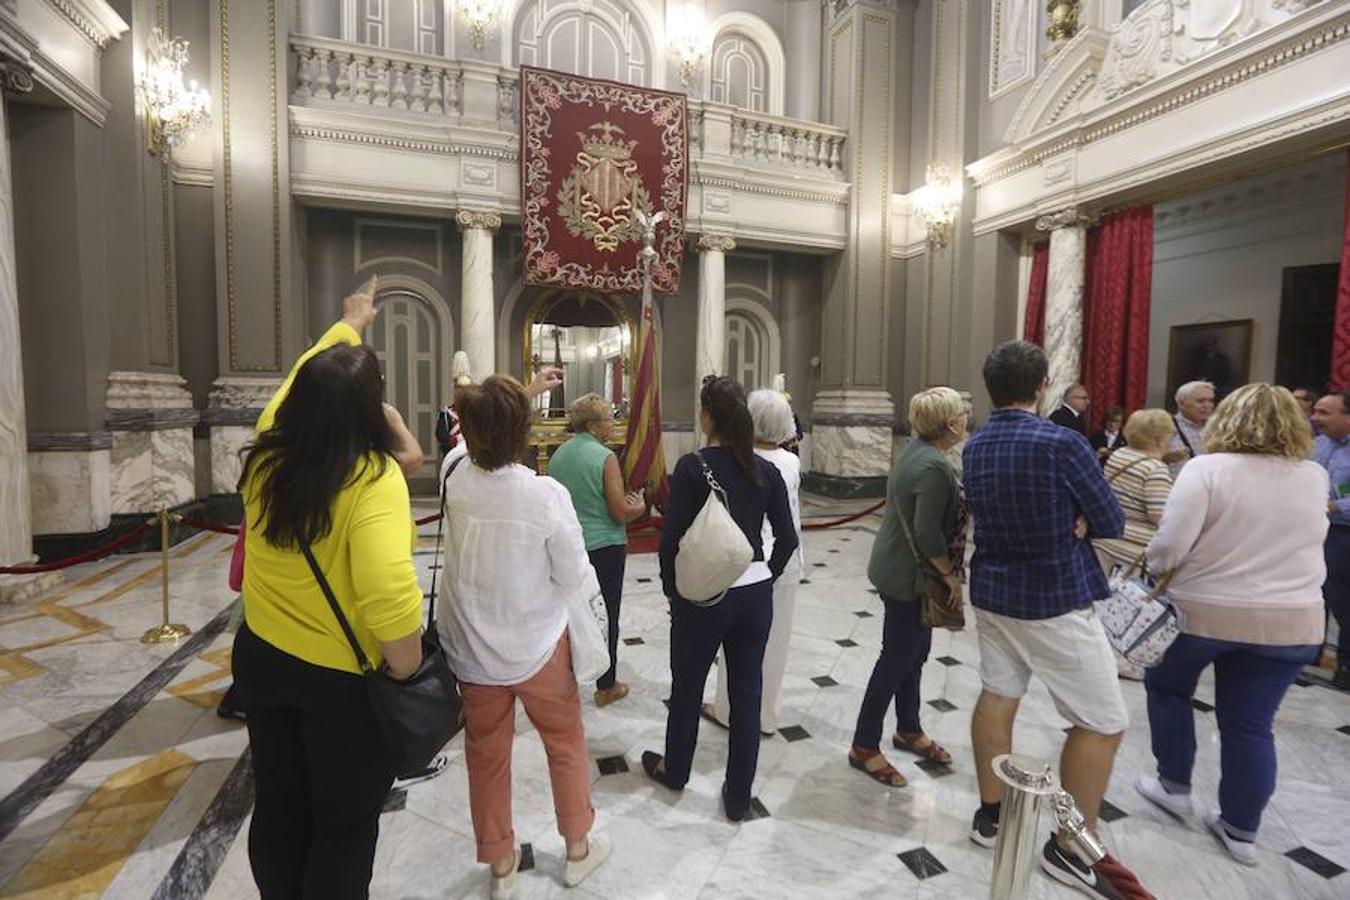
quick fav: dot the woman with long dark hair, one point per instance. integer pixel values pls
(739, 624)
(323, 472)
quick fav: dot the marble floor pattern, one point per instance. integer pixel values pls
(118, 780)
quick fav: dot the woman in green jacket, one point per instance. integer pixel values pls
(922, 488)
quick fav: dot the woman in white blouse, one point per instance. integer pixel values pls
(774, 426)
(514, 551)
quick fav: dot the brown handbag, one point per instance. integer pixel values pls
(933, 599)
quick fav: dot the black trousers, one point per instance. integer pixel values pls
(1336, 590)
(321, 774)
(904, 648)
(609, 563)
(740, 626)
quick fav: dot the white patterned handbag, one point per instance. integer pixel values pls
(588, 630)
(1141, 621)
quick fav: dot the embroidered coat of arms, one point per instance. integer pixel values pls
(596, 157)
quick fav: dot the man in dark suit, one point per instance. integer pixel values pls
(1072, 412)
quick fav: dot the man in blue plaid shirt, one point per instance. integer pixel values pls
(1037, 495)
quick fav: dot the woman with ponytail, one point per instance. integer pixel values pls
(739, 624)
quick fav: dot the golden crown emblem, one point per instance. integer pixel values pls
(605, 145)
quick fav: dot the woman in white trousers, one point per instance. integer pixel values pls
(774, 426)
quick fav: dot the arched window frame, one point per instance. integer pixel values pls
(649, 31)
(754, 29)
(740, 301)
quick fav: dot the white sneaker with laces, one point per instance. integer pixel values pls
(1178, 805)
(1242, 851)
(576, 870)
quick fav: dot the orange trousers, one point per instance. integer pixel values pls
(553, 705)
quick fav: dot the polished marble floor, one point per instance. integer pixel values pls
(118, 780)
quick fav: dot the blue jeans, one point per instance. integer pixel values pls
(1250, 680)
(739, 625)
(896, 675)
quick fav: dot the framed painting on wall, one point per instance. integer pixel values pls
(1217, 352)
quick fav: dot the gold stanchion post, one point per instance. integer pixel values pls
(165, 631)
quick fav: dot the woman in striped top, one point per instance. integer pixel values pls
(1141, 482)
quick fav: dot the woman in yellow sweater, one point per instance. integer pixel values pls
(324, 469)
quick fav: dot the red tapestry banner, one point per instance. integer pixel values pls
(596, 159)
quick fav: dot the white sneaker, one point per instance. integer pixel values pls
(1178, 805)
(436, 767)
(1242, 851)
(576, 870)
(504, 886)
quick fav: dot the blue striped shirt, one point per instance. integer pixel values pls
(1334, 456)
(1026, 481)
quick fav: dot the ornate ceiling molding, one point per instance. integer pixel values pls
(94, 19)
(1159, 41)
(1032, 143)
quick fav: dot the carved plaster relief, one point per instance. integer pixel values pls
(1012, 47)
(1156, 39)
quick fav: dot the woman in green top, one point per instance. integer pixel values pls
(923, 489)
(590, 472)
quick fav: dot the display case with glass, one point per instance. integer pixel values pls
(590, 337)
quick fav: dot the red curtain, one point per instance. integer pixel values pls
(1033, 325)
(1340, 340)
(1117, 288)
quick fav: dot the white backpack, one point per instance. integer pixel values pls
(714, 551)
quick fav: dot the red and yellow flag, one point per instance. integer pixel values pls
(644, 460)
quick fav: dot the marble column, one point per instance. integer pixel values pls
(16, 528)
(1064, 299)
(151, 418)
(710, 340)
(478, 332)
(852, 415)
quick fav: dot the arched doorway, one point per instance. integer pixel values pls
(413, 338)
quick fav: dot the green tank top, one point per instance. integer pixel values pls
(579, 465)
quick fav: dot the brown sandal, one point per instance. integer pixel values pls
(931, 750)
(882, 773)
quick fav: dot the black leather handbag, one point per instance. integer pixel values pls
(418, 716)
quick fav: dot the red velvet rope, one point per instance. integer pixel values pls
(87, 556)
(813, 526)
(210, 526)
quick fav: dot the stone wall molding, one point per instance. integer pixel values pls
(147, 390)
(151, 419)
(68, 441)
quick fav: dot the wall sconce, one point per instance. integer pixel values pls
(689, 39)
(937, 203)
(480, 15)
(172, 109)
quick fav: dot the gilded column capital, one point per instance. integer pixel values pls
(469, 219)
(718, 242)
(1065, 218)
(16, 75)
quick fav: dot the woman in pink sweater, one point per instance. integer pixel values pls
(1243, 530)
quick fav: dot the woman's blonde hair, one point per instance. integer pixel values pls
(1259, 418)
(930, 410)
(584, 410)
(1148, 428)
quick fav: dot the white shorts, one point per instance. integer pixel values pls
(1069, 653)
